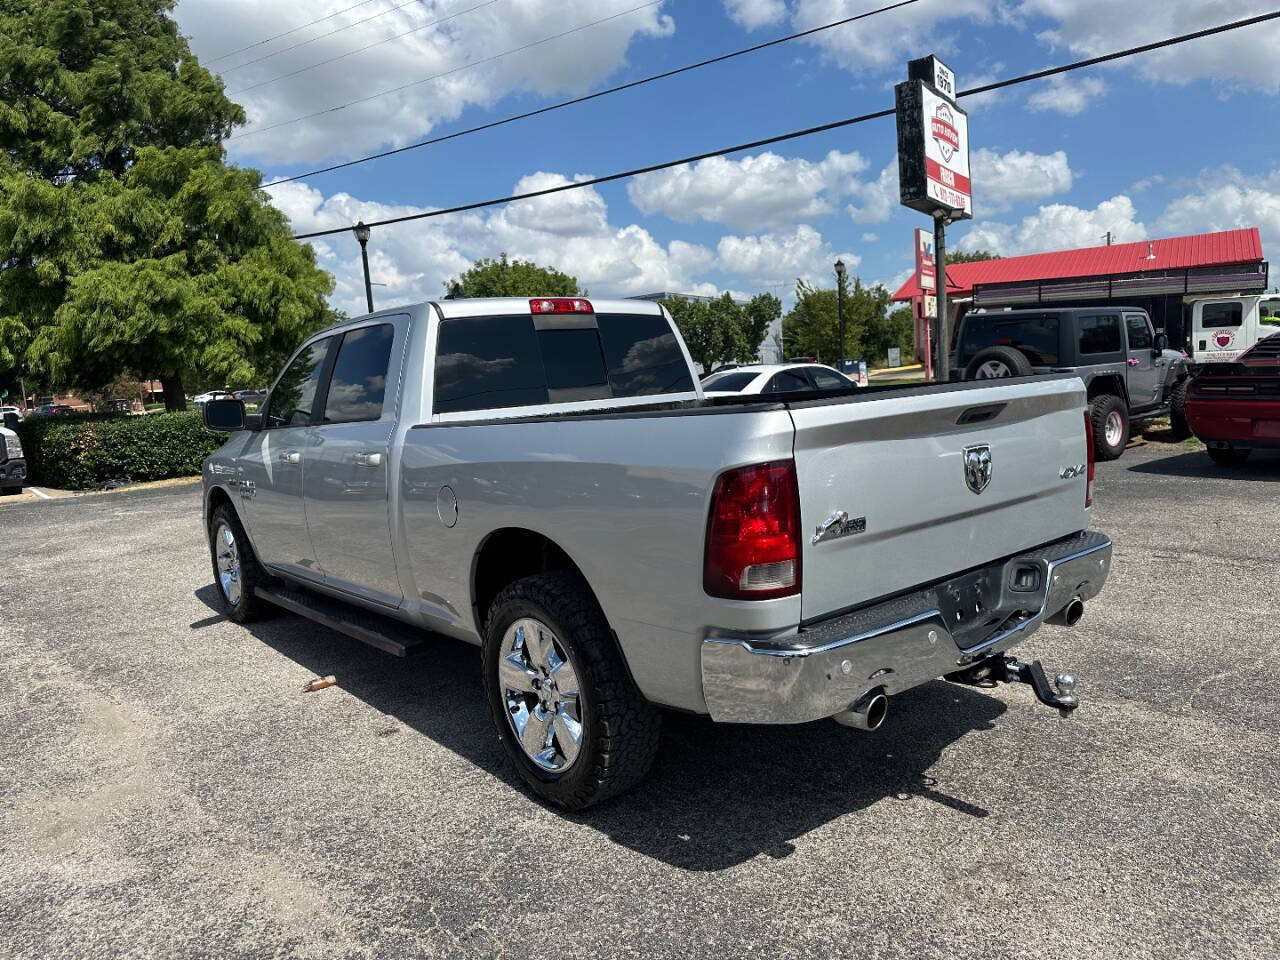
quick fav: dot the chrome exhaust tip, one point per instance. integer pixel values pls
(867, 712)
(1069, 615)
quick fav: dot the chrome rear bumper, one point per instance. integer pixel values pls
(895, 645)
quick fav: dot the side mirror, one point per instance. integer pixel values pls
(1162, 343)
(223, 416)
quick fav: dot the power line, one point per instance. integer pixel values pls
(807, 131)
(446, 73)
(369, 46)
(321, 36)
(599, 93)
(310, 23)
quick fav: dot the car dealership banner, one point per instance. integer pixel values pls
(933, 143)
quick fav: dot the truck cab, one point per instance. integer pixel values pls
(1221, 328)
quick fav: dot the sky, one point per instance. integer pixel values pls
(1178, 141)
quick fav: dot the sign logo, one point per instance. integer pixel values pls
(977, 467)
(943, 127)
(1223, 338)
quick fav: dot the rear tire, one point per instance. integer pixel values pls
(1109, 415)
(1228, 456)
(10, 491)
(996, 363)
(236, 571)
(552, 619)
(1178, 410)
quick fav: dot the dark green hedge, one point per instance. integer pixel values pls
(82, 452)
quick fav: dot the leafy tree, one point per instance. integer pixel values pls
(812, 327)
(126, 242)
(722, 330)
(757, 317)
(960, 256)
(513, 278)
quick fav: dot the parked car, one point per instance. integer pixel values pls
(53, 409)
(545, 479)
(1235, 407)
(250, 397)
(1219, 329)
(202, 398)
(775, 378)
(10, 409)
(1126, 366)
(13, 465)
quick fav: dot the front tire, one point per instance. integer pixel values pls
(1178, 410)
(1110, 418)
(236, 571)
(1228, 456)
(569, 717)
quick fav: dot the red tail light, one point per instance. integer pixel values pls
(560, 305)
(1093, 459)
(753, 534)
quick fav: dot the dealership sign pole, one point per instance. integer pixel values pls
(925, 283)
(933, 167)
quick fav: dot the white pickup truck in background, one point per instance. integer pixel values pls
(1222, 328)
(545, 479)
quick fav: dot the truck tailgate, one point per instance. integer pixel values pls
(897, 461)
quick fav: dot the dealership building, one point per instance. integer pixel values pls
(1161, 276)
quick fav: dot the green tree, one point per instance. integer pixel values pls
(760, 313)
(126, 242)
(722, 330)
(959, 256)
(812, 327)
(513, 278)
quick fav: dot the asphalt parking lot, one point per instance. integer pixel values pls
(166, 789)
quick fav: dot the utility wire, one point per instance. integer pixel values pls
(599, 93)
(808, 131)
(310, 23)
(368, 46)
(447, 73)
(321, 36)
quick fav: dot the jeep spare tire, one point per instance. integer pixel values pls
(996, 362)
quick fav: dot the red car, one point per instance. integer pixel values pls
(1235, 407)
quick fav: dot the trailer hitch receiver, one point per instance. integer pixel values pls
(1001, 669)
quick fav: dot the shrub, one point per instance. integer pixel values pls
(82, 452)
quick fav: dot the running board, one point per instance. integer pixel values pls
(378, 631)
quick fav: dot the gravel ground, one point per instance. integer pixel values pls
(167, 790)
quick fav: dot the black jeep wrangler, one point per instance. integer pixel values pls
(1125, 364)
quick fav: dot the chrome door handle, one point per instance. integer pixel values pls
(291, 456)
(368, 459)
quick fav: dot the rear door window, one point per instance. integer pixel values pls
(358, 386)
(1036, 335)
(1100, 333)
(828, 379)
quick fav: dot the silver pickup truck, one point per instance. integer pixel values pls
(544, 478)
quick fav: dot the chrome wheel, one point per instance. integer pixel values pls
(1113, 429)
(993, 369)
(228, 555)
(540, 690)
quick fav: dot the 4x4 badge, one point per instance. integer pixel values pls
(977, 467)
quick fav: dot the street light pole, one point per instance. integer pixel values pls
(840, 310)
(362, 234)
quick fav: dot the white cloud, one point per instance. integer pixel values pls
(753, 14)
(1227, 200)
(870, 237)
(415, 259)
(1004, 180)
(764, 190)
(878, 198)
(569, 64)
(782, 257)
(1067, 95)
(1058, 226)
(1245, 58)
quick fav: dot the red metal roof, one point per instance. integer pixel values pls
(1171, 253)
